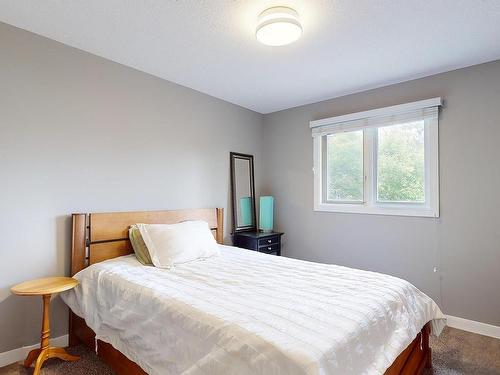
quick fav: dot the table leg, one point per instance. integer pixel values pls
(45, 352)
(31, 357)
(45, 322)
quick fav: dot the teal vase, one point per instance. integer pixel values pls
(266, 214)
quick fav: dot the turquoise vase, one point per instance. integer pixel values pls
(266, 214)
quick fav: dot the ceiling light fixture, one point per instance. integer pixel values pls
(278, 26)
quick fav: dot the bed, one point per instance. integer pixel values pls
(241, 312)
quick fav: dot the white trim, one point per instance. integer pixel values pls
(432, 167)
(19, 354)
(317, 172)
(374, 210)
(385, 111)
(473, 326)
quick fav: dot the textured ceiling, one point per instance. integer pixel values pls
(209, 45)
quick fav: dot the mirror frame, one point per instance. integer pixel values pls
(233, 156)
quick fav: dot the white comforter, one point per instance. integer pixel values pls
(244, 312)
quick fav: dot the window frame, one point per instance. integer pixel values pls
(370, 205)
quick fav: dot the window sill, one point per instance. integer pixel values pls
(377, 210)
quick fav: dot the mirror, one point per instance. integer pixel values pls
(243, 192)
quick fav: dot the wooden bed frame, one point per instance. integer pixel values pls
(100, 236)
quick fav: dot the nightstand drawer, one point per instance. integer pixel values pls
(268, 241)
(269, 248)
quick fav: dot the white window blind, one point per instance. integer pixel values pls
(424, 109)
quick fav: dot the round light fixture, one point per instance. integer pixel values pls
(278, 26)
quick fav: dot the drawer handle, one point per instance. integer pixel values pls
(269, 241)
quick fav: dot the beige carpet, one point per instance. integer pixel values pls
(454, 352)
(460, 352)
(88, 364)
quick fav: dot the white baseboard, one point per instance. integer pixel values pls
(473, 326)
(19, 354)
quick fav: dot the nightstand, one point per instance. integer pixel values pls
(45, 288)
(264, 242)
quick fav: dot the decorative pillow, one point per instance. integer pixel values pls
(140, 249)
(171, 244)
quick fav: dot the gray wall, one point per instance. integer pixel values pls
(78, 134)
(464, 242)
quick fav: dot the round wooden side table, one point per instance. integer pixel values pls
(45, 288)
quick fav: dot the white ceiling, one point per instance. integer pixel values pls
(209, 45)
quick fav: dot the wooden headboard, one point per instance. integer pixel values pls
(100, 236)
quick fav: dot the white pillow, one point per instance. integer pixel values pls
(171, 244)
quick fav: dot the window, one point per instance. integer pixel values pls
(401, 163)
(344, 167)
(383, 161)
